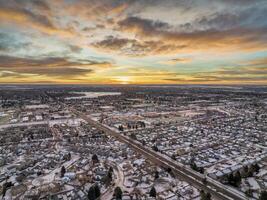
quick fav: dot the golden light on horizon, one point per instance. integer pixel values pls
(123, 80)
(74, 42)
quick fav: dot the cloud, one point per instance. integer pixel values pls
(175, 61)
(134, 47)
(218, 80)
(254, 67)
(244, 71)
(220, 30)
(94, 10)
(244, 74)
(50, 66)
(240, 2)
(124, 46)
(144, 25)
(14, 12)
(257, 62)
(141, 72)
(252, 17)
(51, 39)
(235, 38)
(7, 74)
(74, 48)
(9, 44)
(40, 4)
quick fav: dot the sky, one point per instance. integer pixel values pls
(133, 41)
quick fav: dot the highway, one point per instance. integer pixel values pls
(215, 188)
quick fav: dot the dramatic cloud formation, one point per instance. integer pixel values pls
(48, 66)
(133, 41)
(234, 38)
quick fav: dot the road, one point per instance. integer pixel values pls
(215, 188)
(48, 122)
(108, 194)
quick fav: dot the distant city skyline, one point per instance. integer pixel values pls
(133, 41)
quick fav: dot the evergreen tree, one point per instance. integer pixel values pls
(245, 174)
(202, 195)
(118, 193)
(249, 192)
(156, 175)
(110, 169)
(91, 193)
(263, 195)
(108, 178)
(169, 170)
(193, 166)
(6, 186)
(205, 196)
(128, 126)
(235, 179)
(94, 192)
(133, 136)
(231, 179)
(153, 192)
(204, 180)
(208, 196)
(155, 148)
(121, 128)
(254, 168)
(200, 170)
(250, 172)
(97, 191)
(62, 171)
(95, 158)
(238, 178)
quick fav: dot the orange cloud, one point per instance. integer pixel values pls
(36, 22)
(49, 66)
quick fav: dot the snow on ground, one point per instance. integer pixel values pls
(92, 94)
(51, 176)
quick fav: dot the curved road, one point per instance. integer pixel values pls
(108, 194)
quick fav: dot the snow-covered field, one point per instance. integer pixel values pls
(92, 94)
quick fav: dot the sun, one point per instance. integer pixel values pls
(123, 80)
